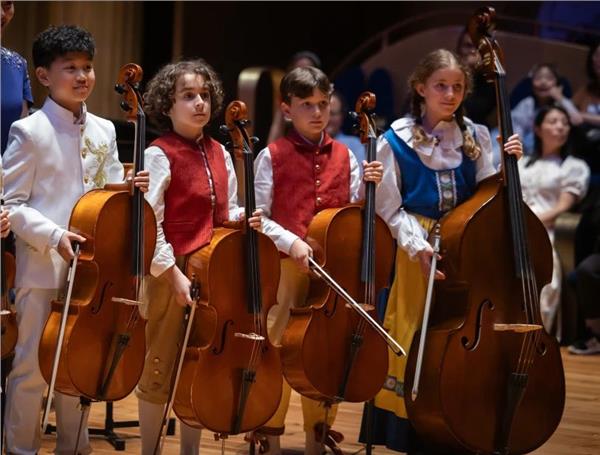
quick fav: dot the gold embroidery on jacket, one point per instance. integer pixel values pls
(100, 154)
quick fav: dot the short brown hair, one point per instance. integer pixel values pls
(160, 92)
(301, 82)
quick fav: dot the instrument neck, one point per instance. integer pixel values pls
(252, 260)
(137, 215)
(368, 246)
(512, 182)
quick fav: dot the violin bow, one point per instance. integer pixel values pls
(60, 338)
(190, 312)
(426, 311)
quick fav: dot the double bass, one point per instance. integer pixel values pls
(231, 379)
(329, 351)
(103, 342)
(493, 380)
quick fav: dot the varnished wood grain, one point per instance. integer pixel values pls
(577, 434)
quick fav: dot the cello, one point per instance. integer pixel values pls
(232, 382)
(101, 356)
(329, 352)
(493, 380)
(8, 318)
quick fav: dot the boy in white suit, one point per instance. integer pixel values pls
(53, 157)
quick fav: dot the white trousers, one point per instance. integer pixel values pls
(25, 386)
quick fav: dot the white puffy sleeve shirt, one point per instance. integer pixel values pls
(443, 152)
(546, 179)
(160, 176)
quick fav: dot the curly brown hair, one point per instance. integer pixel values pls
(160, 91)
(435, 60)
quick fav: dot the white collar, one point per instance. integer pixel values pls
(54, 109)
(445, 135)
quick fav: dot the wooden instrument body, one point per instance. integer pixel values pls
(10, 331)
(103, 217)
(467, 363)
(209, 388)
(316, 342)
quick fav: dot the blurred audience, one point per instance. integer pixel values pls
(338, 112)
(546, 91)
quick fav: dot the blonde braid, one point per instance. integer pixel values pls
(419, 135)
(470, 147)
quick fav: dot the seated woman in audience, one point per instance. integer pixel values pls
(546, 91)
(552, 181)
(587, 100)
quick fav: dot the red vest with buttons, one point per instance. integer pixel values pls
(307, 178)
(189, 214)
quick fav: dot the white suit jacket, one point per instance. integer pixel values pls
(49, 163)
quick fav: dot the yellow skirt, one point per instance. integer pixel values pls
(403, 316)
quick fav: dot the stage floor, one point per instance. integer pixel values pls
(577, 434)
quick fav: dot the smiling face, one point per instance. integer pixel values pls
(191, 106)
(309, 115)
(443, 92)
(70, 79)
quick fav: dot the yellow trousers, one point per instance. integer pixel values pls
(292, 292)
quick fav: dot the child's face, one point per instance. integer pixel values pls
(70, 79)
(554, 130)
(443, 92)
(543, 80)
(309, 115)
(191, 107)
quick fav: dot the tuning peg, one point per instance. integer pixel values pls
(353, 115)
(254, 140)
(125, 106)
(229, 146)
(120, 89)
(224, 130)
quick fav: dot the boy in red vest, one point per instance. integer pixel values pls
(296, 177)
(195, 189)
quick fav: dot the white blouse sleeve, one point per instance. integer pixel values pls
(575, 177)
(357, 187)
(405, 228)
(160, 176)
(235, 211)
(484, 165)
(263, 187)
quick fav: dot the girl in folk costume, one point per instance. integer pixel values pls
(194, 189)
(432, 160)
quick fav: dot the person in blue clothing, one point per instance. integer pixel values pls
(339, 110)
(432, 160)
(16, 89)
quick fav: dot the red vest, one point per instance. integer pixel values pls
(307, 178)
(189, 216)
